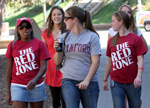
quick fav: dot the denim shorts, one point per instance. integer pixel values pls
(20, 93)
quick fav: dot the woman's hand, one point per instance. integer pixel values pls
(83, 85)
(137, 82)
(105, 86)
(56, 44)
(31, 84)
(8, 98)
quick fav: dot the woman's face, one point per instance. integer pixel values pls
(57, 16)
(68, 21)
(126, 10)
(115, 23)
(24, 29)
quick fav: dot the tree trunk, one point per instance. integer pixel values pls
(44, 13)
(2, 2)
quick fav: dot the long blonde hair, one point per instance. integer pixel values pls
(132, 27)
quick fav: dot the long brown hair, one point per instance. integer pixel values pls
(133, 27)
(83, 16)
(50, 23)
(120, 15)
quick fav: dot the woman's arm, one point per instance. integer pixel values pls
(8, 76)
(43, 66)
(145, 43)
(138, 79)
(107, 73)
(93, 69)
(58, 56)
(109, 36)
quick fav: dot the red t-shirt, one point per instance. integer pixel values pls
(53, 76)
(124, 57)
(26, 58)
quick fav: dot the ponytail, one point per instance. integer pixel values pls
(88, 23)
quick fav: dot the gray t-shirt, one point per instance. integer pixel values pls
(78, 52)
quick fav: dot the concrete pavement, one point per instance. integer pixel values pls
(105, 99)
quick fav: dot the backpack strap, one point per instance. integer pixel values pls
(66, 37)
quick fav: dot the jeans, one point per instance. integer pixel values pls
(119, 90)
(72, 94)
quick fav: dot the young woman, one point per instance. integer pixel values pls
(127, 9)
(124, 50)
(81, 60)
(26, 64)
(53, 76)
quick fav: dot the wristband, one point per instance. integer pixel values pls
(140, 68)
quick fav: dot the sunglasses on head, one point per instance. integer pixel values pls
(21, 27)
(66, 18)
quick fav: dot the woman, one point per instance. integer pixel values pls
(26, 64)
(81, 60)
(127, 9)
(53, 76)
(124, 50)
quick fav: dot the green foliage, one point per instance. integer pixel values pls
(104, 15)
(34, 12)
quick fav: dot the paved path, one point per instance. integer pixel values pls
(105, 100)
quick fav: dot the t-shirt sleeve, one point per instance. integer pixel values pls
(44, 54)
(108, 52)
(95, 45)
(9, 51)
(140, 47)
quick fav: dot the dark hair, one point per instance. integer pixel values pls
(83, 16)
(31, 34)
(120, 15)
(133, 27)
(50, 23)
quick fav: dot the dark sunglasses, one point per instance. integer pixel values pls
(21, 27)
(66, 18)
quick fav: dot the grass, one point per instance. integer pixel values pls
(102, 17)
(31, 12)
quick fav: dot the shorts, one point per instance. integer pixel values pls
(20, 93)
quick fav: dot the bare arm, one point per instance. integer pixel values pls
(58, 56)
(109, 36)
(145, 43)
(43, 66)
(8, 80)
(107, 73)
(138, 79)
(93, 69)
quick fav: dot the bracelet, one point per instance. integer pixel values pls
(104, 80)
(140, 68)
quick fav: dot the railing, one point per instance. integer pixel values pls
(86, 4)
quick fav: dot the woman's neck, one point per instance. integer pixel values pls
(56, 27)
(78, 29)
(123, 32)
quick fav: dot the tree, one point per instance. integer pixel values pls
(2, 3)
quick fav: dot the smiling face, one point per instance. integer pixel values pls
(57, 16)
(24, 30)
(115, 23)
